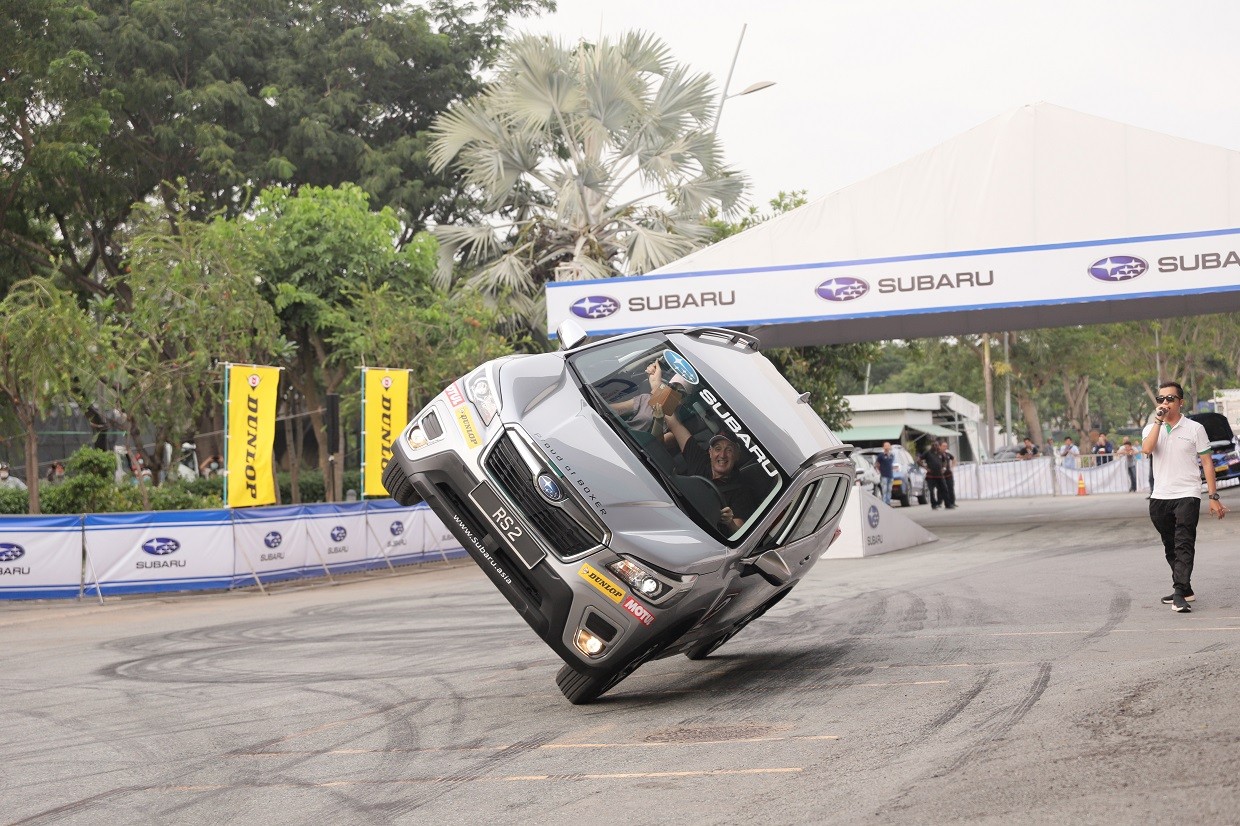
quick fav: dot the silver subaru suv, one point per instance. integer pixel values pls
(633, 498)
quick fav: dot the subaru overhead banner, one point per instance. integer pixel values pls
(1102, 272)
(160, 551)
(40, 557)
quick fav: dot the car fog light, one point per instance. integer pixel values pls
(589, 644)
(416, 438)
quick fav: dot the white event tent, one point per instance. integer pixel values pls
(1041, 217)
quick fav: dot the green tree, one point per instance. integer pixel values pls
(598, 159)
(48, 347)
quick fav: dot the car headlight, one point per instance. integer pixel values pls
(479, 390)
(645, 583)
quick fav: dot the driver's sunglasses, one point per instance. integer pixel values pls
(1162, 399)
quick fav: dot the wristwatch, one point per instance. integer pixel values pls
(1213, 496)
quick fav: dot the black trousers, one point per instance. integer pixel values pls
(1176, 522)
(937, 486)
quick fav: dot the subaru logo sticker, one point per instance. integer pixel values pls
(842, 288)
(549, 487)
(680, 366)
(10, 552)
(873, 516)
(339, 533)
(1118, 268)
(161, 546)
(397, 528)
(594, 306)
(273, 539)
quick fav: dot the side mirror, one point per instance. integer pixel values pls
(772, 567)
(570, 334)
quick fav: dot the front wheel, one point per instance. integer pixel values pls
(581, 688)
(904, 500)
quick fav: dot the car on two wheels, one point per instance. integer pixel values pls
(593, 525)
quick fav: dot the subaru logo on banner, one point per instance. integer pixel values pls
(843, 288)
(1118, 268)
(339, 533)
(273, 539)
(680, 366)
(397, 528)
(10, 551)
(161, 546)
(873, 516)
(550, 488)
(594, 306)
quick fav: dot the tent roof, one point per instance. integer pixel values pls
(1032, 197)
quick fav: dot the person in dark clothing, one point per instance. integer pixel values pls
(885, 464)
(718, 463)
(949, 480)
(1028, 451)
(935, 463)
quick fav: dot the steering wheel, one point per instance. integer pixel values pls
(704, 495)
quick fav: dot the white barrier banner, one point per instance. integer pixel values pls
(160, 551)
(394, 532)
(337, 536)
(270, 543)
(40, 557)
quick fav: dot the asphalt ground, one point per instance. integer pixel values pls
(1019, 670)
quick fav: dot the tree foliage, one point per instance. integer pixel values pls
(598, 158)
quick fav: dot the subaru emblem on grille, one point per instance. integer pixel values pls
(549, 487)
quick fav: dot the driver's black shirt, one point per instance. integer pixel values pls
(736, 494)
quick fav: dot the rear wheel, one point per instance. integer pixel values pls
(921, 499)
(904, 500)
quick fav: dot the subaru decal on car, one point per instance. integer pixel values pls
(641, 496)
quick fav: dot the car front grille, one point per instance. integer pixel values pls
(564, 534)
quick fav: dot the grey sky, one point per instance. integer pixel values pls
(864, 85)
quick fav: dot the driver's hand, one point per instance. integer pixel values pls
(657, 409)
(726, 517)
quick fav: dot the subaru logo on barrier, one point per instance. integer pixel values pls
(273, 539)
(339, 533)
(680, 366)
(161, 546)
(397, 528)
(10, 552)
(550, 488)
(1118, 268)
(843, 288)
(873, 516)
(594, 306)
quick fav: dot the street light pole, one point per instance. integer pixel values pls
(727, 84)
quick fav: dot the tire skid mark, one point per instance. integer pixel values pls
(1002, 722)
(1117, 612)
(962, 702)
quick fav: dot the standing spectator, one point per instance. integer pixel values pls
(885, 464)
(1028, 451)
(56, 473)
(949, 462)
(932, 460)
(7, 480)
(1069, 452)
(1130, 460)
(1103, 449)
(1175, 444)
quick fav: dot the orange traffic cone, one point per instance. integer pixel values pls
(1080, 485)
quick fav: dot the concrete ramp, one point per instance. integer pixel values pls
(869, 528)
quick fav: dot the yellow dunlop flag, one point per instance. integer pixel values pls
(250, 432)
(385, 410)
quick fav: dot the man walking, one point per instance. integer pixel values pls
(949, 480)
(933, 461)
(1174, 442)
(885, 463)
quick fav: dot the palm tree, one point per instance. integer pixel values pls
(589, 162)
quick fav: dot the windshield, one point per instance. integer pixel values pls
(712, 465)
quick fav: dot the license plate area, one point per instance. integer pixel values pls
(508, 527)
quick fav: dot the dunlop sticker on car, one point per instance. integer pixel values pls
(609, 588)
(469, 428)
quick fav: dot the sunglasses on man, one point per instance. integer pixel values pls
(1163, 399)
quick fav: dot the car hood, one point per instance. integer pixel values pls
(538, 394)
(1218, 429)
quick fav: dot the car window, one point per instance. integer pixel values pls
(825, 502)
(619, 376)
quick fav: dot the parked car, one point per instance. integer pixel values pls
(1222, 445)
(597, 532)
(867, 475)
(908, 478)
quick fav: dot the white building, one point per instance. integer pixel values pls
(918, 418)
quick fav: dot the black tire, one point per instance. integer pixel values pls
(921, 500)
(904, 500)
(581, 688)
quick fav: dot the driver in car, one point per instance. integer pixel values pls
(718, 463)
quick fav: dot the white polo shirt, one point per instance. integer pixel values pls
(1177, 475)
